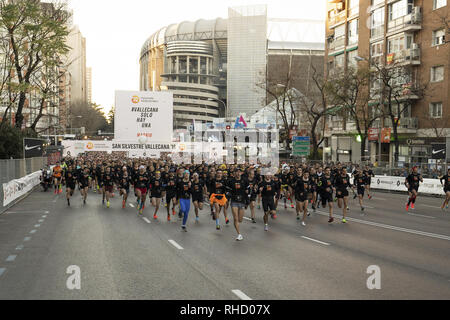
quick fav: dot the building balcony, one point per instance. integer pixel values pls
(337, 19)
(337, 127)
(336, 44)
(404, 57)
(406, 125)
(409, 22)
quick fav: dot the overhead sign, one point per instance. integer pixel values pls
(439, 151)
(143, 114)
(301, 146)
(33, 148)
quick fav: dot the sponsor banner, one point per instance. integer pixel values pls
(429, 186)
(144, 114)
(386, 135)
(439, 151)
(19, 187)
(73, 148)
(373, 134)
(33, 147)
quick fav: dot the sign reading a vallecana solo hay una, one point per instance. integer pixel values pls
(143, 114)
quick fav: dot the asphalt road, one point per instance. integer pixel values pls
(121, 255)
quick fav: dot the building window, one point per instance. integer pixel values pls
(182, 61)
(353, 32)
(438, 37)
(436, 110)
(193, 65)
(376, 52)
(353, 7)
(439, 4)
(437, 73)
(339, 61)
(203, 65)
(400, 8)
(351, 61)
(377, 2)
(377, 23)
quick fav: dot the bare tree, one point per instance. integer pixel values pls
(351, 92)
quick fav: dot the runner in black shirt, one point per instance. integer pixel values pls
(360, 182)
(325, 186)
(267, 188)
(170, 188)
(412, 183)
(141, 188)
(83, 182)
(198, 189)
(253, 193)
(369, 175)
(108, 184)
(70, 180)
(238, 188)
(156, 184)
(301, 187)
(342, 182)
(446, 186)
(124, 186)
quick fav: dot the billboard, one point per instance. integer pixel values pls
(143, 115)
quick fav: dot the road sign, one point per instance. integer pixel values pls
(301, 146)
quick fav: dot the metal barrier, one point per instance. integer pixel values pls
(17, 168)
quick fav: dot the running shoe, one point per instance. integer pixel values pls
(292, 206)
(155, 217)
(84, 201)
(266, 227)
(107, 204)
(68, 202)
(303, 223)
(217, 227)
(344, 220)
(239, 238)
(113, 195)
(446, 207)
(55, 191)
(354, 197)
(141, 212)
(227, 221)
(285, 207)
(168, 217)
(123, 204)
(331, 220)
(362, 209)
(370, 197)
(197, 219)
(180, 215)
(309, 214)
(259, 207)
(165, 205)
(348, 209)
(413, 206)
(173, 212)
(407, 207)
(253, 220)
(103, 201)
(183, 228)
(298, 217)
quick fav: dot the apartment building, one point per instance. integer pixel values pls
(412, 35)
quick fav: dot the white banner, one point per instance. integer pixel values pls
(19, 187)
(143, 114)
(429, 186)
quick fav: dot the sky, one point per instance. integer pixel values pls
(115, 31)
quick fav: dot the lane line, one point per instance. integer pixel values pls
(146, 220)
(33, 231)
(27, 239)
(2, 270)
(385, 226)
(248, 219)
(425, 205)
(314, 240)
(44, 217)
(11, 258)
(37, 225)
(42, 220)
(419, 215)
(176, 245)
(241, 295)
(131, 205)
(20, 247)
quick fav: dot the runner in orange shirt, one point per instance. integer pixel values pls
(57, 174)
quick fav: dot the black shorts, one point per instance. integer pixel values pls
(268, 204)
(326, 197)
(413, 188)
(361, 190)
(301, 197)
(170, 196)
(71, 186)
(340, 194)
(155, 195)
(197, 197)
(446, 189)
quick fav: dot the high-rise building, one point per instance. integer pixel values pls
(409, 36)
(76, 61)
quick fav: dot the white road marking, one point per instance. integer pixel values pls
(47, 212)
(44, 217)
(146, 220)
(42, 220)
(425, 205)
(131, 205)
(385, 226)
(11, 258)
(314, 240)
(20, 247)
(176, 245)
(419, 215)
(247, 219)
(33, 231)
(241, 295)
(369, 207)
(2, 270)
(27, 239)
(37, 225)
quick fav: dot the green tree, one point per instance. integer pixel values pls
(36, 32)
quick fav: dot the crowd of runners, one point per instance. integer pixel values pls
(170, 187)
